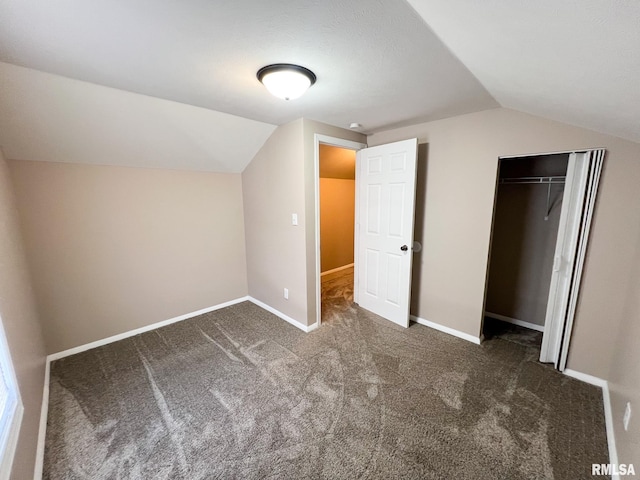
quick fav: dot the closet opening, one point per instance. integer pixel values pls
(543, 209)
(526, 222)
(337, 205)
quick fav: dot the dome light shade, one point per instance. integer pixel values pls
(285, 80)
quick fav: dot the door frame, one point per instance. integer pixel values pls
(350, 145)
(14, 408)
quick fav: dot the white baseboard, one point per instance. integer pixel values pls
(333, 270)
(137, 331)
(608, 416)
(583, 377)
(284, 317)
(515, 321)
(449, 330)
(42, 430)
(98, 343)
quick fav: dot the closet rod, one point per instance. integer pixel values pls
(534, 180)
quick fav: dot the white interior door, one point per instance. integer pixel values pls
(386, 185)
(583, 174)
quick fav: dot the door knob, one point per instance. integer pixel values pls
(404, 248)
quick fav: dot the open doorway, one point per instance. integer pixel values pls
(385, 183)
(337, 199)
(525, 231)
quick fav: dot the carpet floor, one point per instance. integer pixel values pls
(238, 393)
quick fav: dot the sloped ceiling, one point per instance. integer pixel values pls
(377, 63)
(382, 63)
(46, 117)
(575, 61)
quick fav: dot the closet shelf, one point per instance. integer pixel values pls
(534, 180)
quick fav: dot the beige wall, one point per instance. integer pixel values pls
(20, 321)
(523, 242)
(273, 190)
(624, 377)
(337, 222)
(462, 167)
(112, 249)
(280, 181)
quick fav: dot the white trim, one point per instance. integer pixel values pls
(515, 321)
(356, 231)
(449, 330)
(12, 441)
(137, 331)
(42, 431)
(336, 142)
(564, 258)
(339, 142)
(608, 420)
(283, 316)
(82, 348)
(13, 408)
(595, 159)
(608, 415)
(334, 270)
(563, 152)
(583, 377)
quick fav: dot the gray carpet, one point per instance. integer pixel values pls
(239, 393)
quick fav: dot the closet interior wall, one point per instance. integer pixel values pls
(523, 241)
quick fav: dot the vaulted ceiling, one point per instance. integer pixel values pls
(381, 63)
(575, 61)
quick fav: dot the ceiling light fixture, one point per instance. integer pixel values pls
(285, 80)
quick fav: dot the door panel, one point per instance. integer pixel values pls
(373, 212)
(386, 179)
(596, 159)
(372, 269)
(583, 174)
(563, 257)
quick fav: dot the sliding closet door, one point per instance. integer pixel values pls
(583, 175)
(564, 256)
(595, 160)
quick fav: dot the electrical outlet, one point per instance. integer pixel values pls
(286, 294)
(294, 219)
(627, 416)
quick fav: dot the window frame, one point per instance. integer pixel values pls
(11, 415)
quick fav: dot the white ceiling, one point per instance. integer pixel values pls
(575, 61)
(379, 62)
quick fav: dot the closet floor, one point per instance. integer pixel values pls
(512, 333)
